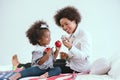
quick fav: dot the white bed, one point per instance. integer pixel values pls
(113, 73)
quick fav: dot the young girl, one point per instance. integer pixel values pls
(43, 56)
(78, 44)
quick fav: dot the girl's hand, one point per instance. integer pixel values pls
(67, 43)
(48, 51)
(58, 48)
(63, 55)
(58, 45)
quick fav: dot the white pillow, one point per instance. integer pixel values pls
(100, 66)
(115, 57)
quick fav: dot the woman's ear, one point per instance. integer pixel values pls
(39, 40)
(74, 21)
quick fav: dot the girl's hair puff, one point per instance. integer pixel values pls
(36, 31)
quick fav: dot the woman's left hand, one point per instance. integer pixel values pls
(67, 43)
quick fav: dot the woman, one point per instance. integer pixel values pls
(78, 44)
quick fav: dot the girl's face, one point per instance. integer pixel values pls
(68, 25)
(45, 39)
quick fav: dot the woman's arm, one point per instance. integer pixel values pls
(81, 47)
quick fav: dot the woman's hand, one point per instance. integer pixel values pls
(63, 55)
(67, 43)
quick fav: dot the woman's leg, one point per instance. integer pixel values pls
(17, 64)
(27, 65)
(59, 62)
(66, 69)
(62, 64)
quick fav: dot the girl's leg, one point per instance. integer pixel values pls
(45, 75)
(51, 72)
(32, 71)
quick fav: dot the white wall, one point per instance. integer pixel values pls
(100, 17)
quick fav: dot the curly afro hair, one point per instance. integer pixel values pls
(68, 12)
(36, 31)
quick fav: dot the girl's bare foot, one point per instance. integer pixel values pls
(45, 75)
(15, 61)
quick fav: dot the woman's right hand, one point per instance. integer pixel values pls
(63, 55)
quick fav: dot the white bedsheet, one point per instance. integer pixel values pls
(79, 77)
(93, 77)
(6, 68)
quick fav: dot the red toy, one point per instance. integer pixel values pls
(58, 43)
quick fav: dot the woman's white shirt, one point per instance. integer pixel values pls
(81, 49)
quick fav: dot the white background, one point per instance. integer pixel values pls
(100, 17)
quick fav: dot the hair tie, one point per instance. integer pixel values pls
(43, 26)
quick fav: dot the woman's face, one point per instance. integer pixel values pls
(68, 25)
(45, 39)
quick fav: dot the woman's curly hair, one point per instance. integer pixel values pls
(36, 31)
(68, 12)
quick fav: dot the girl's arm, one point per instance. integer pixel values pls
(44, 58)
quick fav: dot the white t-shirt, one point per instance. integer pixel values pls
(37, 54)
